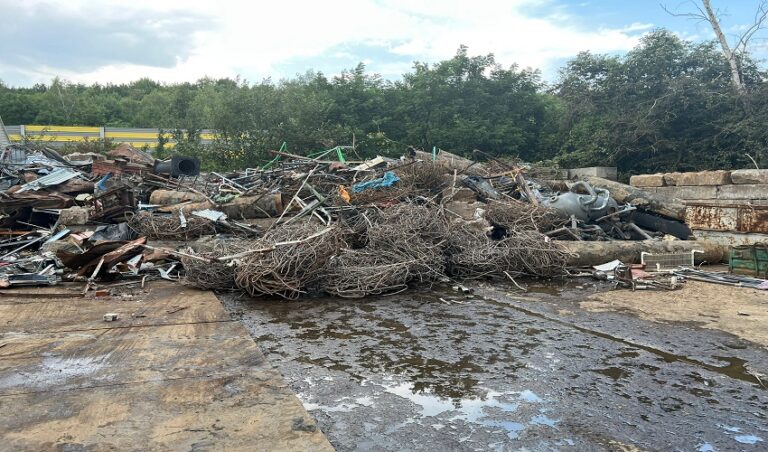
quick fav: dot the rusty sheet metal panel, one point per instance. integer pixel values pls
(754, 219)
(713, 218)
(727, 217)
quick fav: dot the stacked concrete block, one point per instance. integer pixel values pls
(740, 185)
(697, 192)
(647, 180)
(728, 201)
(606, 172)
(701, 178)
(750, 177)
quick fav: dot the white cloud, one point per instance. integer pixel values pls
(252, 39)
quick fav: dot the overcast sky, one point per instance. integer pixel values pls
(110, 41)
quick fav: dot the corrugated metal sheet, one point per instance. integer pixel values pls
(55, 178)
(14, 156)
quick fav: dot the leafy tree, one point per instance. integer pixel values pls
(666, 105)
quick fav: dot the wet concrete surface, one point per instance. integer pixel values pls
(498, 370)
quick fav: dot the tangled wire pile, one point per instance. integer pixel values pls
(356, 273)
(427, 177)
(392, 248)
(292, 261)
(532, 253)
(472, 255)
(356, 222)
(514, 215)
(420, 178)
(170, 227)
(404, 245)
(214, 275)
(382, 196)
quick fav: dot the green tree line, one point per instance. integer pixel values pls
(666, 105)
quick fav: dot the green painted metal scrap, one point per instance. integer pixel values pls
(749, 260)
(283, 148)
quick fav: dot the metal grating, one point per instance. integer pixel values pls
(668, 261)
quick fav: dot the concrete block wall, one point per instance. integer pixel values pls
(721, 201)
(739, 185)
(606, 172)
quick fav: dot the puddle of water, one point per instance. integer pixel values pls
(484, 411)
(736, 367)
(742, 438)
(344, 405)
(540, 419)
(706, 447)
(748, 439)
(530, 397)
(547, 287)
(730, 429)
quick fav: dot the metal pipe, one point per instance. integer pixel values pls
(22, 247)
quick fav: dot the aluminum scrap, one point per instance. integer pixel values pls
(55, 178)
(210, 214)
(722, 278)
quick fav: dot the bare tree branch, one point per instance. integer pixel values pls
(704, 12)
(701, 15)
(759, 23)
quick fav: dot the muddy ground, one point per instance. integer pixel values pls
(552, 369)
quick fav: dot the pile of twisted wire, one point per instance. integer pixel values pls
(405, 245)
(534, 254)
(514, 215)
(213, 275)
(356, 221)
(471, 254)
(287, 270)
(169, 227)
(383, 195)
(427, 177)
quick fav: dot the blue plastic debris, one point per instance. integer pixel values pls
(100, 184)
(387, 180)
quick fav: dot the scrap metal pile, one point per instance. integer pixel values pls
(299, 225)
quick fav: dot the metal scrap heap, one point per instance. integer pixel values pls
(303, 225)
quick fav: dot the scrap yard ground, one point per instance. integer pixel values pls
(566, 366)
(429, 302)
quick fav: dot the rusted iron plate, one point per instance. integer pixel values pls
(735, 218)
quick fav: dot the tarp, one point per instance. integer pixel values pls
(387, 180)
